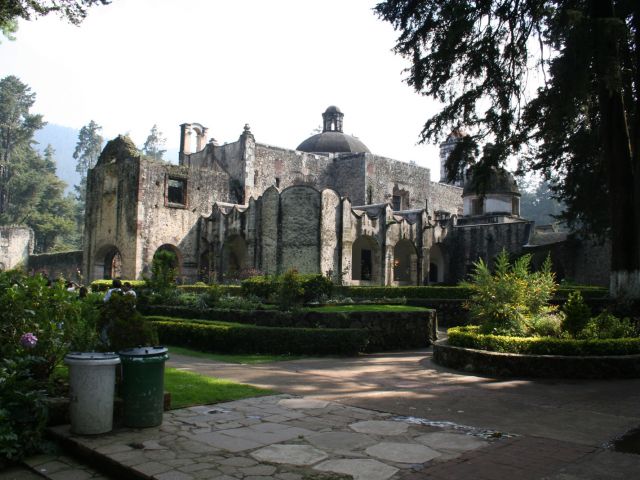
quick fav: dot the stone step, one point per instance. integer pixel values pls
(63, 467)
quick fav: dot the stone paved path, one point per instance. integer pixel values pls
(282, 437)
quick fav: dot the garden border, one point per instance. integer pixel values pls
(541, 366)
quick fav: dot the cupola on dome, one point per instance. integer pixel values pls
(332, 139)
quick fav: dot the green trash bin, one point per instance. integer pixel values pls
(143, 385)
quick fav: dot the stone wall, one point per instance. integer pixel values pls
(467, 244)
(67, 265)
(445, 197)
(388, 177)
(582, 261)
(16, 244)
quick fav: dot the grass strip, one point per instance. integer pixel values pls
(190, 388)
(247, 359)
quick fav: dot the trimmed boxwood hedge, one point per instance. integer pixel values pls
(469, 337)
(392, 330)
(104, 285)
(447, 292)
(223, 337)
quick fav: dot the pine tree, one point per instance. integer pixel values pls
(154, 143)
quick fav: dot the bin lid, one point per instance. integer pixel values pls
(143, 351)
(92, 358)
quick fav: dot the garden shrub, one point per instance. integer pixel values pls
(23, 413)
(577, 314)
(54, 319)
(471, 337)
(261, 286)
(240, 338)
(163, 272)
(290, 290)
(545, 325)
(123, 326)
(504, 301)
(607, 325)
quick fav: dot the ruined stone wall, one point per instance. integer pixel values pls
(16, 244)
(385, 176)
(466, 244)
(300, 229)
(274, 166)
(163, 223)
(111, 218)
(348, 177)
(445, 197)
(67, 265)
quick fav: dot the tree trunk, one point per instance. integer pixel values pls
(622, 176)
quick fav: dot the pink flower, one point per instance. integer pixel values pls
(28, 340)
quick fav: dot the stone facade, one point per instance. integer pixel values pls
(225, 209)
(16, 244)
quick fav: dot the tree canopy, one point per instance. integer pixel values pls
(555, 82)
(154, 143)
(30, 191)
(72, 10)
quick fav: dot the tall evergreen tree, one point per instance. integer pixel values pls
(17, 127)
(154, 143)
(30, 191)
(582, 126)
(86, 154)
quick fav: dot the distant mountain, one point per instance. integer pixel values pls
(63, 140)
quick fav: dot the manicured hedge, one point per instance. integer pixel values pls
(447, 292)
(104, 285)
(468, 337)
(392, 330)
(224, 337)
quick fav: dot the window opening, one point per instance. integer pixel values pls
(176, 191)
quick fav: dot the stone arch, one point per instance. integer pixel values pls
(436, 264)
(167, 247)
(365, 260)
(234, 255)
(405, 262)
(107, 263)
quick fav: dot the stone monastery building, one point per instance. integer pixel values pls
(329, 206)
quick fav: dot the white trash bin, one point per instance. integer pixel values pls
(92, 379)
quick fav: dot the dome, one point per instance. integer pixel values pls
(120, 148)
(332, 139)
(332, 142)
(499, 181)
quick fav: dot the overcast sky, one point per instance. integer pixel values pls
(275, 65)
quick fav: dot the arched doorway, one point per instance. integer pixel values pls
(436, 265)
(107, 263)
(234, 256)
(365, 260)
(405, 262)
(177, 256)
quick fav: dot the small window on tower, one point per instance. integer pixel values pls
(477, 207)
(515, 206)
(177, 191)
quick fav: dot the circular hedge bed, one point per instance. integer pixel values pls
(467, 349)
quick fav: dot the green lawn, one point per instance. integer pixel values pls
(220, 357)
(367, 308)
(189, 388)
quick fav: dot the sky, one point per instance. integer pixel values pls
(276, 65)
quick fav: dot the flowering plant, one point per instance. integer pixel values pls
(28, 340)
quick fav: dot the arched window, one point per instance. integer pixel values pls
(365, 259)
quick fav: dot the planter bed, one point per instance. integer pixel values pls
(542, 366)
